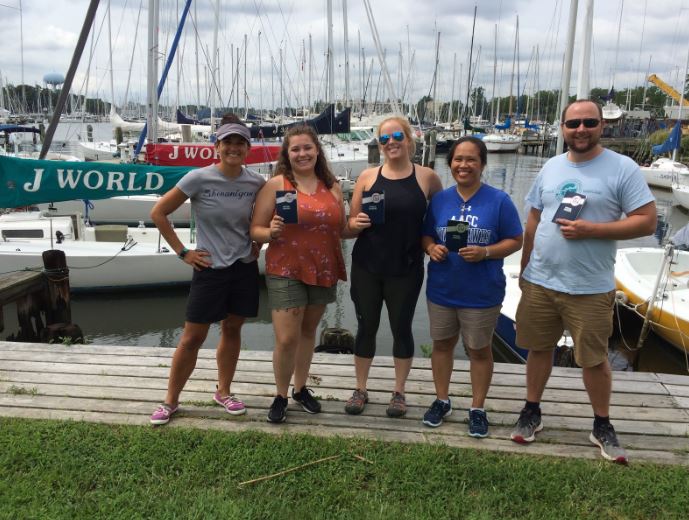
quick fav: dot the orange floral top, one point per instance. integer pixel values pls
(310, 251)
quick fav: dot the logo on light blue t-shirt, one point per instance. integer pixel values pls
(567, 186)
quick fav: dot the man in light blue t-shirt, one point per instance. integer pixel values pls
(568, 265)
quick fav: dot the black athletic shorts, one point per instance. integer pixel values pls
(215, 293)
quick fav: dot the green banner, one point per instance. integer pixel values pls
(27, 181)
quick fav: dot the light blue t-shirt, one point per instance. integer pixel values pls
(222, 209)
(492, 217)
(613, 185)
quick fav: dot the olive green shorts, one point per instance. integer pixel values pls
(287, 293)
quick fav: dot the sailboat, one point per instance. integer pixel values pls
(612, 112)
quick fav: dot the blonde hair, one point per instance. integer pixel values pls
(406, 129)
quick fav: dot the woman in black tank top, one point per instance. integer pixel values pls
(387, 260)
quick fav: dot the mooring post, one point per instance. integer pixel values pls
(373, 153)
(58, 309)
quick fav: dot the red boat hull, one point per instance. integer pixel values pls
(171, 154)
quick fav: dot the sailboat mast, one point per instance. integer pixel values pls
(331, 63)
(471, 55)
(435, 78)
(260, 79)
(308, 99)
(348, 101)
(214, 63)
(452, 96)
(198, 76)
(495, 73)
(514, 62)
(76, 57)
(567, 70)
(152, 112)
(585, 60)
(246, 104)
(112, 82)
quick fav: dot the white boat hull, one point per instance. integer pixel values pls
(663, 172)
(681, 195)
(137, 258)
(502, 142)
(636, 271)
(131, 210)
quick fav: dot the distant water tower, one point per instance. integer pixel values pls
(53, 80)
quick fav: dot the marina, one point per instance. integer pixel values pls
(122, 385)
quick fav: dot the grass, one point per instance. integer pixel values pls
(79, 470)
(20, 390)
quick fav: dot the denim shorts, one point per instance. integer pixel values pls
(287, 293)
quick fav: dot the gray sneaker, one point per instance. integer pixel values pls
(528, 424)
(356, 404)
(605, 438)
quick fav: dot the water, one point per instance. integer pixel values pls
(155, 317)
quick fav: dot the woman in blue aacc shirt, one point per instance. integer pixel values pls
(465, 287)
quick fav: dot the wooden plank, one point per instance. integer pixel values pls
(417, 404)
(243, 381)
(322, 371)
(652, 425)
(674, 379)
(17, 284)
(329, 359)
(678, 391)
(339, 388)
(549, 449)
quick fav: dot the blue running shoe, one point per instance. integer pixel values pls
(435, 414)
(478, 423)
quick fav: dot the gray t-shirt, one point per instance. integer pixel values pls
(613, 186)
(222, 209)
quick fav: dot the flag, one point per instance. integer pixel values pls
(672, 142)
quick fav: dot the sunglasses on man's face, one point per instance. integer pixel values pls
(385, 138)
(588, 123)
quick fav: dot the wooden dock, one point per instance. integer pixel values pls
(123, 385)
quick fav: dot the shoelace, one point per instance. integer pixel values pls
(608, 435)
(477, 419)
(438, 408)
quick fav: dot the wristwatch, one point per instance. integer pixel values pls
(183, 253)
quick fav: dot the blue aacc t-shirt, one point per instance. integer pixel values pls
(222, 209)
(492, 217)
(613, 186)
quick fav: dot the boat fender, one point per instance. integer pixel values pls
(621, 297)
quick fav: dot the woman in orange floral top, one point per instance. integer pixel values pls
(303, 261)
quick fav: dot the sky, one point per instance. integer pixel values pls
(649, 37)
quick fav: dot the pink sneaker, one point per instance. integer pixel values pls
(163, 413)
(232, 405)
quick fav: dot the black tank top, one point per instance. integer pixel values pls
(394, 247)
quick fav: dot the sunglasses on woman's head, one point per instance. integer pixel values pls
(588, 123)
(385, 138)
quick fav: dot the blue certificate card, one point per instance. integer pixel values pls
(373, 204)
(570, 207)
(286, 205)
(456, 235)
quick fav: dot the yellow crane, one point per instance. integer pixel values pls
(667, 89)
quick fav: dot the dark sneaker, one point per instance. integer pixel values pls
(356, 404)
(397, 406)
(435, 414)
(527, 426)
(162, 414)
(305, 398)
(605, 438)
(478, 423)
(278, 410)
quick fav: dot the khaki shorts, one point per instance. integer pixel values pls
(544, 314)
(287, 293)
(476, 325)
